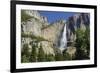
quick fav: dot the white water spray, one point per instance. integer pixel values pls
(63, 40)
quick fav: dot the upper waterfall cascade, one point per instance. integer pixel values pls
(63, 40)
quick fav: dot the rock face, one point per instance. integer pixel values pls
(53, 32)
(36, 15)
(75, 22)
(47, 48)
(38, 26)
(36, 30)
(34, 24)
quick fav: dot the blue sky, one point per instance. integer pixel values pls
(52, 16)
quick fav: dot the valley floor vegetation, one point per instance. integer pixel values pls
(82, 45)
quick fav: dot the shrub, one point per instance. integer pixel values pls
(66, 56)
(50, 58)
(24, 59)
(59, 57)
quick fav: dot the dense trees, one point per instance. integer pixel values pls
(25, 53)
(59, 57)
(41, 55)
(33, 56)
(82, 44)
(50, 57)
(36, 55)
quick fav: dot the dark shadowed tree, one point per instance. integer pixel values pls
(33, 57)
(59, 57)
(25, 54)
(41, 55)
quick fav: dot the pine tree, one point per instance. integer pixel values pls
(41, 55)
(33, 57)
(25, 54)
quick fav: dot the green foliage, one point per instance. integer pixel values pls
(25, 54)
(41, 55)
(25, 50)
(24, 59)
(24, 16)
(50, 58)
(33, 57)
(66, 56)
(82, 44)
(59, 57)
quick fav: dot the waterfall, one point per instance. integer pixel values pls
(63, 40)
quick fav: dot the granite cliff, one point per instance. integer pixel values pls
(37, 32)
(75, 22)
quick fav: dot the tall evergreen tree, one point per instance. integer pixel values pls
(33, 57)
(41, 55)
(25, 53)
